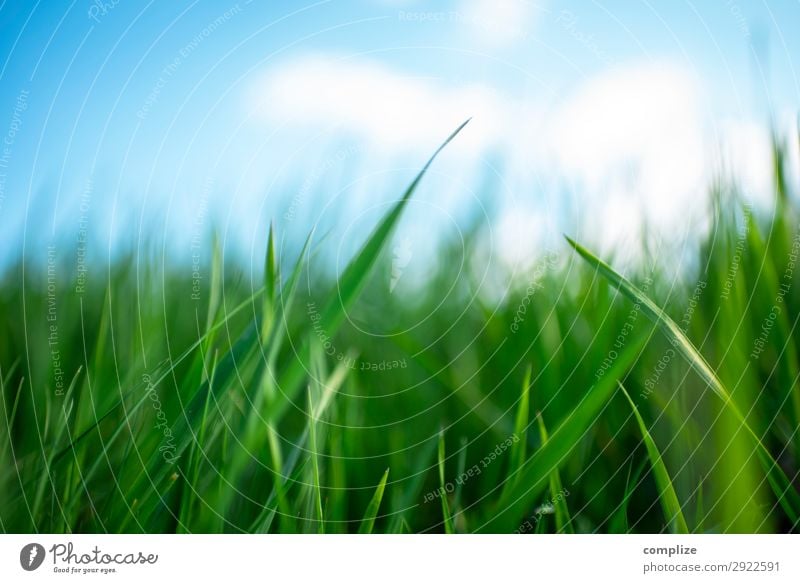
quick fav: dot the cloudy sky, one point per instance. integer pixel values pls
(594, 118)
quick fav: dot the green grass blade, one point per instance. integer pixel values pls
(618, 524)
(656, 314)
(316, 485)
(405, 497)
(160, 374)
(263, 521)
(534, 475)
(253, 433)
(448, 519)
(186, 426)
(374, 505)
(460, 467)
(666, 492)
(519, 448)
(189, 491)
(350, 284)
(214, 290)
(271, 279)
(557, 492)
(283, 471)
(781, 485)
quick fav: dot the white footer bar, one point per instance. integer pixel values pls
(400, 558)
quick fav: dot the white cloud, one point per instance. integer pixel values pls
(632, 142)
(745, 156)
(634, 137)
(385, 108)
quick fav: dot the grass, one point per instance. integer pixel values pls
(131, 405)
(673, 513)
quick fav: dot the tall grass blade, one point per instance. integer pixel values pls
(666, 492)
(351, 282)
(519, 448)
(557, 492)
(534, 475)
(447, 517)
(374, 505)
(781, 485)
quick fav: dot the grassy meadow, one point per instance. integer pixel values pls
(582, 401)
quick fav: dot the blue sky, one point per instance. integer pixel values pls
(174, 116)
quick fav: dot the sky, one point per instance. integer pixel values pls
(154, 122)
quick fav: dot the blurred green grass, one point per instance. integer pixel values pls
(136, 405)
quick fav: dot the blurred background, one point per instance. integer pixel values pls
(604, 120)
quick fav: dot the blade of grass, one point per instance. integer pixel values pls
(782, 487)
(448, 519)
(312, 434)
(700, 511)
(258, 419)
(619, 521)
(563, 521)
(535, 473)
(264, 519)
(65, 412)
(185, 427)
(404, 497)
(159, 376)
(368, 522)
(666, 492)
(190, 489)
(270, 285)
(519, 447)
(460, 466)
(350, 284)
